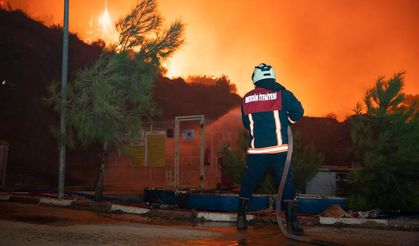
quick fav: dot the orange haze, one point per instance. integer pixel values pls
(328, 52)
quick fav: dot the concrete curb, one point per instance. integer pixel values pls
(91, 205)
(77, 204)
(221, 217)
(192, 214)
(109, 207)
(129, 209)
(351, 221)
(24, 199)
(56, 202)
(4, 197)
(404, 224)
(174, 214)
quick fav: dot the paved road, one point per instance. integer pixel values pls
(28, 224)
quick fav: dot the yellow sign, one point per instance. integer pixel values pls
(138, 156)
(156, 150)
(151, 152)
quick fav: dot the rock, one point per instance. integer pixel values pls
(336, 211)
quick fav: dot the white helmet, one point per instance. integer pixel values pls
(263, 71)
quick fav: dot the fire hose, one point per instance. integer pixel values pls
(279, 201)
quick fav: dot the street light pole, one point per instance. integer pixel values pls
(64, 72)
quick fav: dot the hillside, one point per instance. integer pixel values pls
(177, 97)
(328, 136)
(30, 60)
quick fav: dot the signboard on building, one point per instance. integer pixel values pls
(149, 150)
(156, 149)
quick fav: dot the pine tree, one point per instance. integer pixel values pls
(386, 140)
(107, 101)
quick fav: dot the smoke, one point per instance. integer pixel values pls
(327, 52)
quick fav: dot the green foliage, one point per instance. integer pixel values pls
(305, 162)
(267, 185)
(107, 100)
(141, 31)
(386, 150)
(140, 22)
(234, 161)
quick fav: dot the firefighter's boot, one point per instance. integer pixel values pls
(241, 214)
(291, 207)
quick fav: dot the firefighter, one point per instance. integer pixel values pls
(266, 112)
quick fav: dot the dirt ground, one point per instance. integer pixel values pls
(29, 224)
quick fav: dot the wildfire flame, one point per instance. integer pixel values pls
(3, 4)
(103, 27)
(105, 21)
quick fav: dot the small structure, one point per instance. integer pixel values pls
(328, 180)
(178, 154)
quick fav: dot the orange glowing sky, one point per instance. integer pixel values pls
(328, 52)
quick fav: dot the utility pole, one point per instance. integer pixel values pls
(64, 72)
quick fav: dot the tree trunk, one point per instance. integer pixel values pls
(101, 174)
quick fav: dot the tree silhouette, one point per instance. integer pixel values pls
(107, 101)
